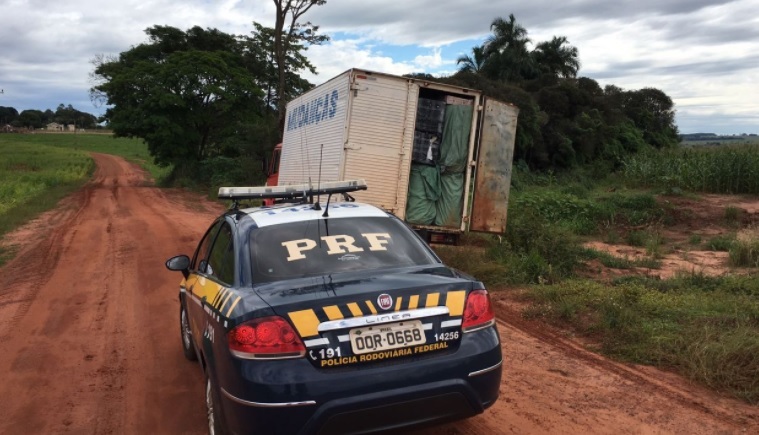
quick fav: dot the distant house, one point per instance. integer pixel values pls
(71, 127)
(54, 126)
(7, 128)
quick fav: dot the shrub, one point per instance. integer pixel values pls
(721, 243)
(744, 251)
(536, 250)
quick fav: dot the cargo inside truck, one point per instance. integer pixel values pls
(439, 159)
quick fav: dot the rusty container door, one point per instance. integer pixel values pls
(493, 171)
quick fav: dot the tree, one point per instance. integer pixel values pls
(67, 115)
(557, 57)
(183, 93)
(31, 119)
(287, 32)
(653, 112)
(473, 63)
(507, 35)
(7, 115)
(506, 54)
(259, 54)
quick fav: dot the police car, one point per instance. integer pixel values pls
(310, 317)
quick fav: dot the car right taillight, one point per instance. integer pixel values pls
(268, 337)
(478, 312)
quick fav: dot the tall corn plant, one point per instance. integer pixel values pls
(726, 169)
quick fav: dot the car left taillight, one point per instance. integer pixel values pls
(478, 312)
(265, 338)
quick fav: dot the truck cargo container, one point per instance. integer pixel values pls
(436, 155)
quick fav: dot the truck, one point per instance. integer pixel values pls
(436, 155)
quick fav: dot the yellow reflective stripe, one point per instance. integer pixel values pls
(355, 310)
(432, 299)
(398, 304)
(413, 302)
(371, 307)
(305, 322)
(234, 304)
(218, 297)
(333, 312)
(455, 302)
(226, 299)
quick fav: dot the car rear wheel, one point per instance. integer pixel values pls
(215, 426)
(188, 348)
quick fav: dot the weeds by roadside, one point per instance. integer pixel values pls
(744, 250)
(708, 332)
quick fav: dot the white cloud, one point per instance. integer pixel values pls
(430, 61)
(339, 56)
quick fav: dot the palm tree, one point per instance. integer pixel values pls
(473, 63)
(554, 57)
(507, 35)
(506, 54)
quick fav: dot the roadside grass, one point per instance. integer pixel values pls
(33, 178)
(707, 328)
(133, 150)
(704, 327)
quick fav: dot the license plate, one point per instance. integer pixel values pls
(387, 336)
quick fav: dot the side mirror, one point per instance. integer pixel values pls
(180, 263)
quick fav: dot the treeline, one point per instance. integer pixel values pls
(564, 120)
(712, 136)
(34, 119)
(207, 102)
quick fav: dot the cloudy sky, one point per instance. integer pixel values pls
(702, 53)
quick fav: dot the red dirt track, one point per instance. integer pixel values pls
(89, 337)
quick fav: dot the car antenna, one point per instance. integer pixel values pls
(319, 181)
(326, 207)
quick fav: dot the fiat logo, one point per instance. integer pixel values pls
(385, 301)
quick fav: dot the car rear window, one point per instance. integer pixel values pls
(328, 246)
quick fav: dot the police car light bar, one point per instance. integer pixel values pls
(291, 191)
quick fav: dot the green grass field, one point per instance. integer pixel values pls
(133, 150)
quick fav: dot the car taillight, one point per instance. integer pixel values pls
(268, 337)
(478, 313)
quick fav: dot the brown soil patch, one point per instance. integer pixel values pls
(695, 219)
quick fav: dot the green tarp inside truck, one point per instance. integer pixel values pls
(435, 194)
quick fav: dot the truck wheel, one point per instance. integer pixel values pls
(215, 424)
(188, 348)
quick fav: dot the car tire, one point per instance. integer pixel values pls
(215, 423)
(188, 348)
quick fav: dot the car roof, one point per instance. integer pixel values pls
(288, 213)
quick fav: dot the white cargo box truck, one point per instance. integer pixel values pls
(436, 155)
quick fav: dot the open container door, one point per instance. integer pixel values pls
(493, 172)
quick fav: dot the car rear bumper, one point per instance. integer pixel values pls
(291, 396)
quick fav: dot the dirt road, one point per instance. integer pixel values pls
(89, 340)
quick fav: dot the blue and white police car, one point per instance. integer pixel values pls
(311, 317)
